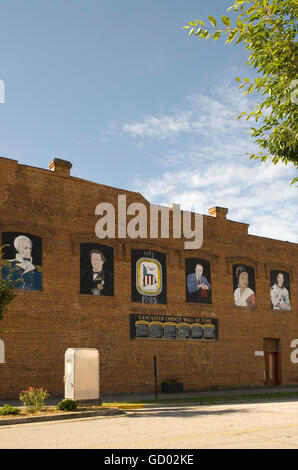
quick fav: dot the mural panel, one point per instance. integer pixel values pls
(173, 327)
(244, 286)
(21, 261)
(96, 269)
(280, 290)
(198, 280)
(148, 277)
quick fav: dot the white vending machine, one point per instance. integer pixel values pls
(81, 379)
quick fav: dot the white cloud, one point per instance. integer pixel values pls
(209, 164)
(205, 115)
(260, 196)
(163, 127)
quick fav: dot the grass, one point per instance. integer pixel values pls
(204, 400)
(137, 404)
(47, 410)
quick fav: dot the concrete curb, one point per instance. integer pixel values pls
(57, 417)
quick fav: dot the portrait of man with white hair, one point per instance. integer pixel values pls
(23, 273)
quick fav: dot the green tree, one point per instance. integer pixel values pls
(267, 29)
(7, 292)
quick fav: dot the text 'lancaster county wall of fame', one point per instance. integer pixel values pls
(148, 277)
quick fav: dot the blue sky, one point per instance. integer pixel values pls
(120, 90)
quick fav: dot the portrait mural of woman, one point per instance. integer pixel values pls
(21, 261)
(244, 286)
(280, 290)
(97, 269)
(198, 280)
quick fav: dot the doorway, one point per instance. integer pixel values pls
(272, 362)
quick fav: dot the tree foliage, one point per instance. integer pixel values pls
(268, 30)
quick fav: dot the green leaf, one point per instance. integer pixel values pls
(239, 23)
(212, 21)
(226, 21)
(231, 36)
(216, 35)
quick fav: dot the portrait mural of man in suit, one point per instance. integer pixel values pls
(198, 281)
(97, 269)
(22, 260)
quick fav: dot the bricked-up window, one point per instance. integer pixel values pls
(2, 352)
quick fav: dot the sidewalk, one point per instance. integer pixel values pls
(139, 397)
(199, 394)
(142, 400)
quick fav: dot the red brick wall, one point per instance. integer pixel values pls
(39, 326)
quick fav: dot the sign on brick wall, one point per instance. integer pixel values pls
(143, 326)
(148, 277)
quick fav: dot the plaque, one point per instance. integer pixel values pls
(183, 332)
(197, 332)
(209, 332)
(142, 330)
(156, 330)
(170, 331)
(174, 327)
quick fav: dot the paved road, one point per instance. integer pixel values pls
(267, 425)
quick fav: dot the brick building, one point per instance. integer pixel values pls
(223, 315)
